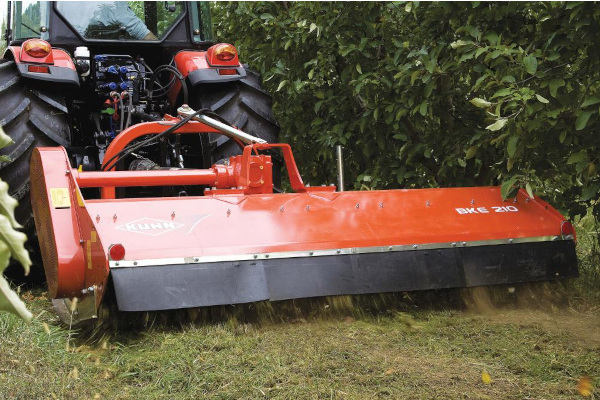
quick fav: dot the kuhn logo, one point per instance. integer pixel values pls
(149, 226)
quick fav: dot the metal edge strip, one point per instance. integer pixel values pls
(328, 252)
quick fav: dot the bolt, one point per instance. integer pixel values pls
(357, 206)
(97, 217)
(472, 201)
(115, 218)
(510, 240)
(428, 203)
(266, 256)
(311, 253)
(261, 167)
(390, 248)
(453, 244)
(527, 200)
(380, 205)
(116, 264)
(256, 256)
(415, 246)
(307, 208)
(196, 259)
(464, 243)
(173, 215)
(228, 212)
(281, 209)
(135, 263)
(338, 251)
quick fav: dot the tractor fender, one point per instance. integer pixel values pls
(193, 65)
(61, 68)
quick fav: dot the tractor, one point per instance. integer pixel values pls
(151, 158)
(74, 74)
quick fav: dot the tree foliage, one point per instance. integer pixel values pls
(433, 94)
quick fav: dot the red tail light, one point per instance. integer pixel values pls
(116, 252)
(40, 69)
(228, 72)
(37, 48)
(222, 54)
(567, 229)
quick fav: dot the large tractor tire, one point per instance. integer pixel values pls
(32, 117)
(243, 104)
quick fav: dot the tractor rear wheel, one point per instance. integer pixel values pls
(243, 104)
(32, 116)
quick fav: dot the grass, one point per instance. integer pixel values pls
(333, 349)
(420, 354)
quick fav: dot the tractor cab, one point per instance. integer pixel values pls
(108, 23)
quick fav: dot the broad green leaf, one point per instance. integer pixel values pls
(423, 109)
(590, 101)
(583, 119)
(467, 56)
(531, 64)
(459, 43)
(577, 157)
(281, 85)
(5, 140)
(509, 164)
(8, 205)
(481, 103)
(529, 191)
(589, 192)
(508, 187)
(318, 105)
(511, 146)
(562, 137)
(502, 92)
(15, 241)
(496, 126)
(542, 99)
(312, 27)
(554, 85)
(480, 51)
(471, 152)
(414, 76)
(408, 7)
(429, 88)
(9, 301)
(359, 68)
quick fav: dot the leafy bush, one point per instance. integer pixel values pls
(433, 94)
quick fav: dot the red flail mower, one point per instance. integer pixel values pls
(239, 242)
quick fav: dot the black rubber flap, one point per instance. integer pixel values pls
(188, 285)
(198, 285)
